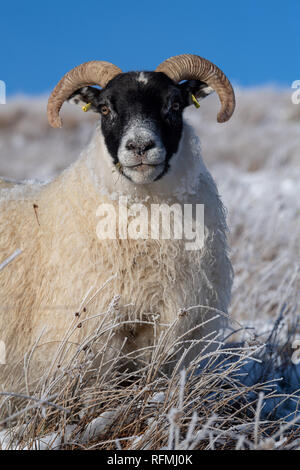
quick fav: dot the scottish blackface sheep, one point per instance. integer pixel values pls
(80, 262)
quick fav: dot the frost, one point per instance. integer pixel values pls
(254, 159)
(158, 397)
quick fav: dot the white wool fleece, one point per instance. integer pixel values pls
(63, 260)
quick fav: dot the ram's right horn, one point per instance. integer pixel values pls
(95, 72)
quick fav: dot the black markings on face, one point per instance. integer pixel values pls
(145, 106)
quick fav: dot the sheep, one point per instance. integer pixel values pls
(144, 151)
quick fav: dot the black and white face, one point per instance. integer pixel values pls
(141, 120)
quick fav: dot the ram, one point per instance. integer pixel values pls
(144, 154)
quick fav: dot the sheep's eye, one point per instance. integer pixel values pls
(104, 110)
(175, 106)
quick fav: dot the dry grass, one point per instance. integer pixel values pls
(225, 400)
(208, 406)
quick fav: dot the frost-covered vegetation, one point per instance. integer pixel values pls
(244, 395)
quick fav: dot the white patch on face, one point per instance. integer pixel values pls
(144, 168)
(77, 99)
(142, 78)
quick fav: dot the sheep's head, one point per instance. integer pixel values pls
(141, 112)
(141, 120)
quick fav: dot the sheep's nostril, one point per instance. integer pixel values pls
(140, 147)
(130, 145)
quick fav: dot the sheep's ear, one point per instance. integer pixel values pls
(86, 95)
(199, 89)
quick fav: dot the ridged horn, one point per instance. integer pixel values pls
(193, 67)
(95, 72)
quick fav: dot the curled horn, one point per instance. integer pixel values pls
(193, 67)
(95, 72)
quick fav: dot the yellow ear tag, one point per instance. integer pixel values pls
(86, 107)
(194, 100)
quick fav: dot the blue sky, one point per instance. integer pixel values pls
(254, 42)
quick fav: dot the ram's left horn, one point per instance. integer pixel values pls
(193, 67)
